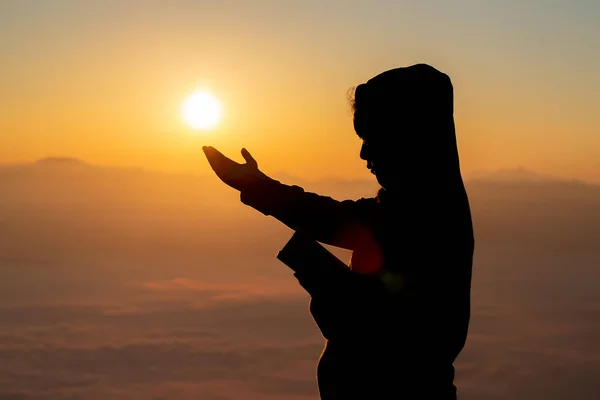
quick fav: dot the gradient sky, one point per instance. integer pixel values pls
(103, 80)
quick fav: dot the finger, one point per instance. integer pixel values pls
(212, 152)
(215, 156)
(249, 159)
(212, 156)
(218, 161)
(209, 152)
(206, 151)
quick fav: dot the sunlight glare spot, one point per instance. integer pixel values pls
(201, 110)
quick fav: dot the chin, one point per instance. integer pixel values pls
(389, 182)
(383, 182)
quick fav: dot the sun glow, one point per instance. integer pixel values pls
(201, 110)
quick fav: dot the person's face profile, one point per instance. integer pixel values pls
(379, 160)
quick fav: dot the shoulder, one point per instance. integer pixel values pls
(366, 208)
(367, 203)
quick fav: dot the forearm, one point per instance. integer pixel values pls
(327, 220)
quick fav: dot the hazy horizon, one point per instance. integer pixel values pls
(516, 172)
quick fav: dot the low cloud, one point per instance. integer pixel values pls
(187, 347)
(219, 290)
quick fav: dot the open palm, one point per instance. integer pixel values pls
(236, 175)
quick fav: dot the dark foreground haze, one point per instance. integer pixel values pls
(125, 284)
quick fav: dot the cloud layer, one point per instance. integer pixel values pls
(138, 292)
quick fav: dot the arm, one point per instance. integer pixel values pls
(327, 220)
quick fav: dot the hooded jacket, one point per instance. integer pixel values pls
(394, 322)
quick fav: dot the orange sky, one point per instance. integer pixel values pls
(104, 81)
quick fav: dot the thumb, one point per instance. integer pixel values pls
(249, 159)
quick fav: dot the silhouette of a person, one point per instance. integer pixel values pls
(396, 323)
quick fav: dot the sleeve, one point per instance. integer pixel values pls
(328, 221)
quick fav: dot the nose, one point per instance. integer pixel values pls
(364, 151)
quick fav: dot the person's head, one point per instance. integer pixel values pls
(405, 118)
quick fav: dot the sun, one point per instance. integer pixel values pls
(201, 110)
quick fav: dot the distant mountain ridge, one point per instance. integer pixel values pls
(506, 175)
(61, 161)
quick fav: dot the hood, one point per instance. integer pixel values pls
(415, 104)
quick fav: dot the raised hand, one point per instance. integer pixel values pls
(238, 176)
